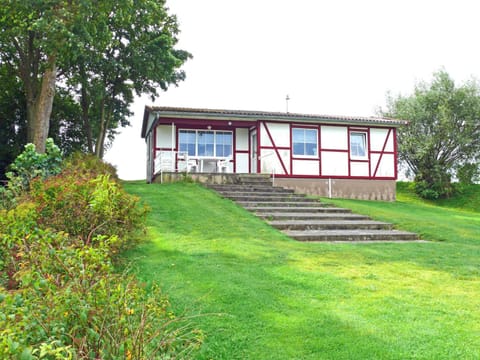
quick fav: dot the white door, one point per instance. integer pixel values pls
(253, 151)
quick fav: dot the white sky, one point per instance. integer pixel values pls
(336, 57)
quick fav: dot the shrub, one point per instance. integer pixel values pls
(434, 184)
(468, 173)
(88, 166)
(70, 301)
(28, 166)
(87, 205)
(60, 297)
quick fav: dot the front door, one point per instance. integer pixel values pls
(253, 151)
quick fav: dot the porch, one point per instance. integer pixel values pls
(212, 177)
(173, 161)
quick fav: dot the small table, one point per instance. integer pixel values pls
(206, 159)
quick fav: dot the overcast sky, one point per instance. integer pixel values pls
(337, 57)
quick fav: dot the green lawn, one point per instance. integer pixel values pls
(264, 296)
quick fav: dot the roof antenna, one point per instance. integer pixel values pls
(286, 101)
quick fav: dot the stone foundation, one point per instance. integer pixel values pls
(335, 188)
(206, 178)
(342, 188)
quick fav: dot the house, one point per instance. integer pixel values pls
(335, 156)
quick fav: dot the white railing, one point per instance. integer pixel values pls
(273, 171)
(172, 161)
(164, 161)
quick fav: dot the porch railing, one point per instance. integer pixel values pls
(173, 161)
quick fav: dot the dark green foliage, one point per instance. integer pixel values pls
(86, 204)
(13, 119)
(66, 128)
(28, 166)
(60, 295)
(83, 165)
(443, 134)
(101, 52)
(68, 297)
(433, 184)
(468, 173)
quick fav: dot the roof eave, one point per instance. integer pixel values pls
(280, 117)
(208, 114)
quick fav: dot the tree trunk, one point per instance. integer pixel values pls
(39, 108)
(87, 128)
(102, 131)
(85, 105)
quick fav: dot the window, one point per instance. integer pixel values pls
(304, 142)
(205, 143)
(187, 142)
(358, 145)
(223, 143)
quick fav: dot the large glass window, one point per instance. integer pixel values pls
(305, 142)
(223, 143)
(358, 144)
(187, 141)
(205, 143)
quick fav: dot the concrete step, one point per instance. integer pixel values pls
(290, 204)
(306, 219)
(351, 235)
(254, 180)
(260, 193)
(311, 216)
(308, 208)
(253, 176)
(244, 188)
(329, 225)
(265, 198)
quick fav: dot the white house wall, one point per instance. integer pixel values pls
(306, 167)
(334, 137)
(270, 163)
(386, 168)
(280, 134)
(377, 140)
(334, 163)
(359, 169)
(241, 164)
(241, 151)
(241, 139)
(274, 152)
(164, 137)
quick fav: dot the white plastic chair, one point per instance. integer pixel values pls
(223, 165)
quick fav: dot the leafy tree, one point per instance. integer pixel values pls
(132, 51)
(35, 37)
(66, 127)
(104, 51)
(13, 125)
(469, 173)
(443, 134)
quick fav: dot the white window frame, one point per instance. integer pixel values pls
(214, 142)
(365, 145)
(314, 156)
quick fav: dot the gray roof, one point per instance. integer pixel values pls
(199, 113)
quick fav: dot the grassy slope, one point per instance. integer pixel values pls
(269, 297)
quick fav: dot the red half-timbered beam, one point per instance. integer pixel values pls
(382, 152)
(275, 147)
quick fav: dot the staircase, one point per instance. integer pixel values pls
(303, 218)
